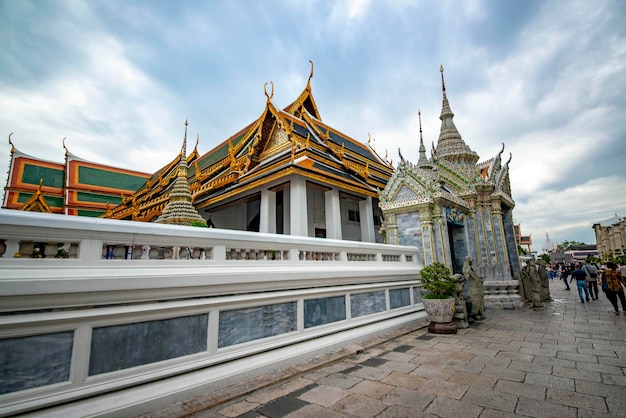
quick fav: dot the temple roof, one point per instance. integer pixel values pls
(279, 143)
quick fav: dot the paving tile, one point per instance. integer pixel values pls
(577, 400)
(473, 379)
(532, 408)
(279, 391)
(526, 366)
(404, 380)
(616, 405)
(398, 411)
(403, 348)
(550, 381)
(398, 366)
(370, 373)
(515, 356)
(399, 356)
(602, 368)
(373, 389)
(491, 399)
(548, 361)
(443, 388)
(374, 362)
(585, 358)
(408, 398)
(504, 373)
(576, 374)
(521, 389)
(340, 380)
(445, 407)
(324, 395)
(281, 407)
(432, 371)
(613, 379)
(359, 406)
(492, 413)
(238, 408)
(315, 411)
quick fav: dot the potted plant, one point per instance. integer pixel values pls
(440, 288)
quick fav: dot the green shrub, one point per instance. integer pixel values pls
(437, 281)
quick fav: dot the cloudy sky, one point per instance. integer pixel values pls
(547, 78)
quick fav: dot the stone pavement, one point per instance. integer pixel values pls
(568, 360)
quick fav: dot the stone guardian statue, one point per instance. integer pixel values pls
(476, 291)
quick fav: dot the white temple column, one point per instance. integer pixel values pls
(366, 213)
(333, 214)
(298, 207)
(267, 217)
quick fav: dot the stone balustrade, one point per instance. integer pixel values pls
(128, 316)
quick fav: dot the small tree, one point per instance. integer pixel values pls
(436, 279)
(545, 258)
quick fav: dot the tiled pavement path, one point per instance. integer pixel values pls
(568, 360)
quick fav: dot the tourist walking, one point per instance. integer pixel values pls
(581, 282)
(611, 282)
(592, 278)
(564, 272)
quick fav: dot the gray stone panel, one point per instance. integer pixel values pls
(122, 346)
(417, 295)
(242, 325)
(410, 231)
(324, 311)
(367, 303)
(34, 361)
(399, 298)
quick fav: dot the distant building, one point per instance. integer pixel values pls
(611, 237)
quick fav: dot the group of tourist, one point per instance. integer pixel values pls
(589, 277)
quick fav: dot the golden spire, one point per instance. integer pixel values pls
(64, 147)
(308, 83)
(269, 96)
(11, 143)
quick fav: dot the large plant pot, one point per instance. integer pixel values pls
(439, 310)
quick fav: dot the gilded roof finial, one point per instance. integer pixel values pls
(197, 141)
(369, 138)
(11, 143)
(64, 147)
(443, 84)
(269, 97)
(308, 83)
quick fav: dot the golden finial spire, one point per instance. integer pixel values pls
(443, 84)
(308, 83)
(269, 96)
(11, 143)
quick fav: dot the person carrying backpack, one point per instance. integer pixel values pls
(592, 278)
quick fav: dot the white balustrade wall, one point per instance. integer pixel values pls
(105, 317)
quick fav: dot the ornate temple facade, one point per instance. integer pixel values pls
(451, 206)
(287, 172)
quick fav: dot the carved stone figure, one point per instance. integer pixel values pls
(460, 309)
(525, 287)
(545, 281)
(476, 291)
(535, 283)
